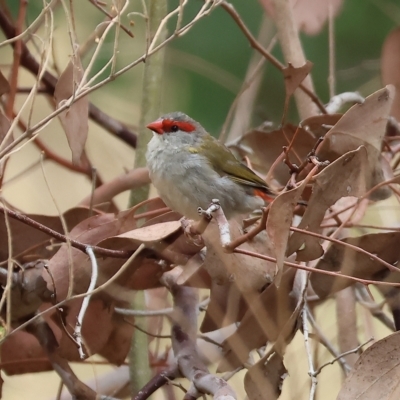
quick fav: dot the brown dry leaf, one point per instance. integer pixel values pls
(226, 307)
(295, 75)
(236, 278)
(329, 186)
(278, 224)
(264, 379)
(266, 147)
(96, 328)
(390, 61)
(310, 15)
(268, 374)
(319, 125)
(362, 125)
(152, 233)
(21, 353)
(119, 341)
(4, 85)
(376, 374)
(75, 119)
(32, 243)
(351, 263)
(249, 274)
(263, 322)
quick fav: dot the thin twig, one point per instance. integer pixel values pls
(257, 46)
(147, 332)
(311, 369)
(325, 342)
(59, 236)
(16, 59)
(348, 245)
(105, 12)
(317, 271)
(85, 302)
(346, 353)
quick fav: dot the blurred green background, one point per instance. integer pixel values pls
(205, 67)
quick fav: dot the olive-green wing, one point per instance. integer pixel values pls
(226, 164)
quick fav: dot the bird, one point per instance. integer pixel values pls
(189, 168)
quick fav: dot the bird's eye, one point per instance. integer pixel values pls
(174, 128)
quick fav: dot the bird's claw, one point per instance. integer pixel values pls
(214, 206)
(191, 233)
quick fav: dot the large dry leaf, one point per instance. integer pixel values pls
(250, 274)
(152, 233)
(376, 374)
(329, 186)
(362, 125)
(267, 375)
(352, 263)
(294, 76)
(75, 119)
(310, 15)
(278, 224)
(264, 379)
(266, 147)
(119, 341)
(390, 62)
(234, 277)
(226, 307)
(21, 353)
(264, 321)
(96, 328)
(319, 125)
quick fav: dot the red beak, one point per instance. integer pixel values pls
(156, 126)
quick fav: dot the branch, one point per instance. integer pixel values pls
(156, 382)
(184, 332)
(131, 180)
(42, 331)
(59, 236)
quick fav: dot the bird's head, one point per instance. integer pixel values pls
(176, 123)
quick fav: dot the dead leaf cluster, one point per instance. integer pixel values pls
(264, 297)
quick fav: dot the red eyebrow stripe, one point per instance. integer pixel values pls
(183, 126)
